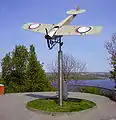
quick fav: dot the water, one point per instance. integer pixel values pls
(101, 83)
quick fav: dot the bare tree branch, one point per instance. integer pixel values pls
(72, 67)
(111, 48)
(111, 45)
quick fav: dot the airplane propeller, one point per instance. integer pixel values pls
(46, 31)
(51, 43)
(47, 39)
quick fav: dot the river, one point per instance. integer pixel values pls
(106, 83)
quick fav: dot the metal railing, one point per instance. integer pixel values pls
(111, 93)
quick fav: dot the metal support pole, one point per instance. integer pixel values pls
(65, 91)
(60, 73)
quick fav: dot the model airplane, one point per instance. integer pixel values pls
(55, 31)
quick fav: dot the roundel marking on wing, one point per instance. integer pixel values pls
(83, 29)
(34, 26)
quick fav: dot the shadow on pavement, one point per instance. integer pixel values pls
(40, 96)
(52, 97)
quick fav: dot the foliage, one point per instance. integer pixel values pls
(87, 77)
(92, 90)
(79, 77)
(21, 72)
(52, 105)
(1, 80)
(14, 88)
(98, 91)
(36, 77)
(14, 69)
(111, 48)
(19, 63)
(6, 68)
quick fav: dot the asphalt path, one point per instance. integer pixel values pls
(12, 107)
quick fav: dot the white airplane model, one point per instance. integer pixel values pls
(54, 31)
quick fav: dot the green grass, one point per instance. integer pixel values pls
(80, 77)
(85, 77)
(88, 89)
(92, 90)
(50, 105)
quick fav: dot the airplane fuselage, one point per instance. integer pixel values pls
(54, 29)
(54, 32)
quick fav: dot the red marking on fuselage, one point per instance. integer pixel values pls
(76, 29)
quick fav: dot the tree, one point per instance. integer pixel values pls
(6, 68)
(14, 69)
(1, 80)
(19, 63)
(22, 72)
(36, 77)
(111, 48)
(72, 67)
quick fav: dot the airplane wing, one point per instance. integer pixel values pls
(37, 27)
(78, 30)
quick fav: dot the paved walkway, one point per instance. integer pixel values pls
(12, 107)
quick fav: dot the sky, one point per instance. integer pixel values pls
(89, 49)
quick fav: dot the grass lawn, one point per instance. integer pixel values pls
(85, 77)
(51, 105)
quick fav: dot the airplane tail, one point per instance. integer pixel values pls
(76, 11)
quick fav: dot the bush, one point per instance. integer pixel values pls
(1, 80)
(92, 90)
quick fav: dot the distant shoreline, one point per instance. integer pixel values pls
(84, 77)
